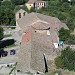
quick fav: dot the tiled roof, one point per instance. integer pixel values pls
(45, 39)
(40, 25)
(34, 44)
(40, 20)
(26, 37)
(31, 53)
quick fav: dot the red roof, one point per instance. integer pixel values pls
(26, 37)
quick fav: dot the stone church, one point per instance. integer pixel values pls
(39, 37)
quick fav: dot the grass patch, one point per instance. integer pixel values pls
(12, 27)
(7, 35)
(10, 46)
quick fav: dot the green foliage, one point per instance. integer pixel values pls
(32, 10)
(64, 1)
(57, 71)
(58, 62)
(71, 24)
(66, 60)
(71, 40)
(19, 2)
(72, 12)
(72, 2)
(61, 16)
(8, 42)
(64, 34)
(61, 9)
(7, 35)
(18, 7)
(1, 33)
(13, 45)
(7, 15)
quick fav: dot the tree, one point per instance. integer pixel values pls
(1, 37)
(72, 12)
(66, 60)
(1, 33)
(64, 1)
(18, 7)
(20, 2)
(64, 34)
(5, 43)
(71, 24)
(32, 9)
(72, 2)
(6, 13)
(0, 2)
(71, 40)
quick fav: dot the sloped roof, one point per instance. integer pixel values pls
(44, 38)
(33, 1)
(41, 25)
(26, 37)
(40, 21)
(35, 44)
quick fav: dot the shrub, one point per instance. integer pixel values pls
(71, 40)
(66, 60)
(64, 34)
(7, 42)
(58, 62)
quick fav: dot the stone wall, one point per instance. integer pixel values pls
(24, 57)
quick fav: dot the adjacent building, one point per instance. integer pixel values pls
(37, 4)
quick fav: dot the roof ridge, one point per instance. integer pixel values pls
(40, 19)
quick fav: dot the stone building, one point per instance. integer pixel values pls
(39, 36)
(19, 14)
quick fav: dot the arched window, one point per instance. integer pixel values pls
(19, 15)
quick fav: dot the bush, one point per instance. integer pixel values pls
(32, 10)
(7, 42)
(66, 37)
(71, 40)
(64, 34)
(1, 33)
(58, 62)
(66, 60)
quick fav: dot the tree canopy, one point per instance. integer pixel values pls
(19, 2)
(66, 60)
(64, 34)
(1, 33)
(7, 15)
(7, 11)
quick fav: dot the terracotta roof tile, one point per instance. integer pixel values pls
(26, 37)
